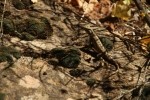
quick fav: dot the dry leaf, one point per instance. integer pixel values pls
(77, 3)
(92, 8)
(145, 41)
(99, 10)
(122, 9)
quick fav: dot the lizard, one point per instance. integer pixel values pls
(98, 46)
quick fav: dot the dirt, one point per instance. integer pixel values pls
(37, 74)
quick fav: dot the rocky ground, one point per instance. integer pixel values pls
(45, 54)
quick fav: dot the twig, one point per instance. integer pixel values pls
(124, 93)
(2, 19)
(144, 68)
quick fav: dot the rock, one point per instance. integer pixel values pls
(36, 96)
(29, 82)
(35, 45)
(70, 99)
(97, 97)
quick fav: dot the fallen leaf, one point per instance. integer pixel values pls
(92, 9)
(122, 9)
(145, 41)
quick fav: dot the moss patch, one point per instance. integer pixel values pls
(6, 54)
(39, 28)
(69, 57)
(28, 29)
(2, 96)
(27, 36)
(18, 4)
(107, 43)
(21, 4)
(8, 26)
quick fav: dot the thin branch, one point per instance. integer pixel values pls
(2, 19)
